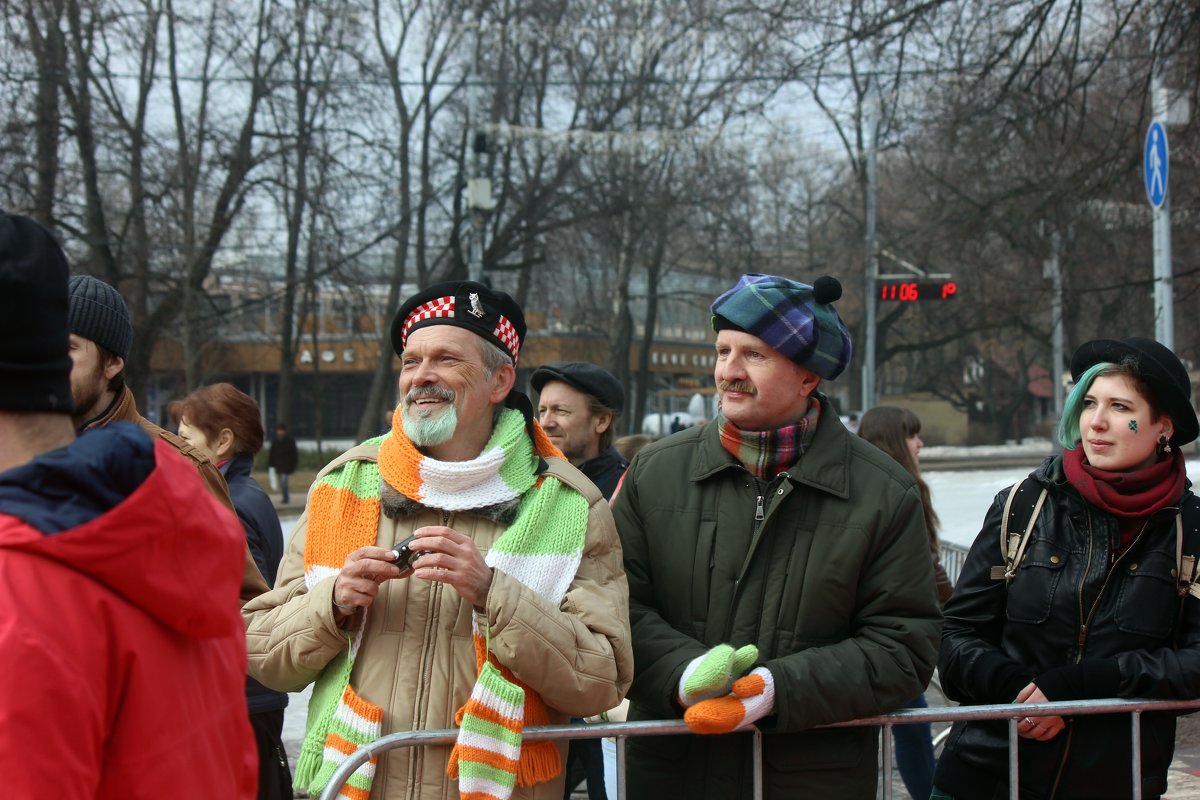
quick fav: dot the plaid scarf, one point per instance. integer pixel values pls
(542, 549)
(767, 453)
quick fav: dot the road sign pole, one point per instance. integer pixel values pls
(1156, 161)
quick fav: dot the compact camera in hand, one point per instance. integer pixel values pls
(404, 554)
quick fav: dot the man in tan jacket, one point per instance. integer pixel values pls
(455, 567)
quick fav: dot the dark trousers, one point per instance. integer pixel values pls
(283, 489)
(274, 775)
(585, 760)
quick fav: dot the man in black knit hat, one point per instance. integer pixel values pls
(101, 335)
(123, 652)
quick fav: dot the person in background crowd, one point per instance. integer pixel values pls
(677, 424)
(101, 335)
(778, 569)
(896, 431)
(628, 446)
(283, 457)
(455, 566)
(123, 651)
(224, 424)
(1093, 603)
(578, 406)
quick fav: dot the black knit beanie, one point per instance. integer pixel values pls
(35, 365)
(99, 314)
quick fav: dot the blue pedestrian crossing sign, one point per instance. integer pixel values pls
(1155, 164)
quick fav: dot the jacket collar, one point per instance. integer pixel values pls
(238, 466)
(824, 466)
(123, 408)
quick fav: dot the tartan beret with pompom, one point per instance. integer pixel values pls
(794, 318)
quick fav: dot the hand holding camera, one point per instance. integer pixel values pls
(404, 556)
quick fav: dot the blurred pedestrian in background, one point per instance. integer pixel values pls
(224, 423)
(896, 431)
(629, 445)
(123, 651)
(283, 458)
(1095, 602)
(578, 407)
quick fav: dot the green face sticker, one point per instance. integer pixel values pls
(1133, 425)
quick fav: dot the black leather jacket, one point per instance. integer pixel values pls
(1081, 624)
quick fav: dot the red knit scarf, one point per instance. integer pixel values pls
(1130, 496)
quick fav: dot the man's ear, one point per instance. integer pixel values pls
(502, 382)
(604, 421)
(809, 381)
(113, 367)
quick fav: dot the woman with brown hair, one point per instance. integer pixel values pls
(224, 423)
(894, 430)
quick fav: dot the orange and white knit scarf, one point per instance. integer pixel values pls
(542, 548)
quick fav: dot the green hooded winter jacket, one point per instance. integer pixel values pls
(825, 568)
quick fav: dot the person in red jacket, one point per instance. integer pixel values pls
(123, 650)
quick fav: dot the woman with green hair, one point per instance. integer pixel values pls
(1096, 605)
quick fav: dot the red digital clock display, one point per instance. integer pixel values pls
(911, 291)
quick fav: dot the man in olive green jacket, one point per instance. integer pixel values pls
(778, 569)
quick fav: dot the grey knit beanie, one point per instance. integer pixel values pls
(99, 313)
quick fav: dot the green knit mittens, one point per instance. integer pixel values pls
(712, 674)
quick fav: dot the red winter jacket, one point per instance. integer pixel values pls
(122, 648)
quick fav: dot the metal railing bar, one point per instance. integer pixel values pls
(621, 730)
(1014, 765)
(621, 768)
(1135, 720)
(1006, 710)
(758, 759)
(888, 744)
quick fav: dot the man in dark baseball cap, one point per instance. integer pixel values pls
(578, 406)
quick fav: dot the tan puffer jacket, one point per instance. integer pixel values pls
(417, 660)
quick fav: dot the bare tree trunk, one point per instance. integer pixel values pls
(633, 422)
(51, 65)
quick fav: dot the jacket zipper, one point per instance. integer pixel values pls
(435, 596)
(1085, 622)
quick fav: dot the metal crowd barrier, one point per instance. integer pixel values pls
(952, 556)
(623, 730)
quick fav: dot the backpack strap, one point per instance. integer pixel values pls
(1185, 565)
(1013, 542)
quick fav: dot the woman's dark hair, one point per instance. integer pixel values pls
(889, 428)
(222, 405)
